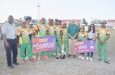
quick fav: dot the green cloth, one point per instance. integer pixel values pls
(102, 47)
(65, 36)
(81, 37)
(51, 30)
(105, 48)
(102, 36)
(25, 39)
(28, 49)
(43, 34)
(42, 30)
(58, 40)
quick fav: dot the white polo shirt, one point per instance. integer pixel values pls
(86, 28)
(9, 30)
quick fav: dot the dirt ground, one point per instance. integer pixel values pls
(68, 66)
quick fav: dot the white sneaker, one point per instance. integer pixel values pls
(34, 57)
(90, 59)
(82, 58)
(79, 57)
(87, 58)
(54, 54)
(26, 58)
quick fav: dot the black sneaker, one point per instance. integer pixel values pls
(57, 57)
(63, 56)
(16, 63)
(11, 66)
(74, 56)
(99, 60)
(69, 55)
(107, 62)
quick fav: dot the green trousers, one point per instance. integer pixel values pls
(58, 47)
(102, 49)
(28, 49)
(66, 46)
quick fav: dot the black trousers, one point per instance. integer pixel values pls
(90, 54)
(11, 51)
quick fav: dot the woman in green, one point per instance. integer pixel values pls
(50, 32)
(51, 27)
(24, 42)
(58, 40)
(103, 35)
(42, 29)
(64, 38)
(82, 36)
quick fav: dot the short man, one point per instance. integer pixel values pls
(10, 41)
(72, 30)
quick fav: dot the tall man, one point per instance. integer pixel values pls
(10, 41)
(72, 30)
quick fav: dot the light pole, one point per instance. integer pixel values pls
(38, 10)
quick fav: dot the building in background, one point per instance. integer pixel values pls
(111, 23)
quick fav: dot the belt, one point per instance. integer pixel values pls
(11, 39)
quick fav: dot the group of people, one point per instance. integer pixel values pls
(65, 35)
(100, 35)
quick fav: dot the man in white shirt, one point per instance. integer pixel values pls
(10, 41)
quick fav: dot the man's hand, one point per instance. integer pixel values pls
(6, 44)
(102, 42)
(70, 36)
(18, 45)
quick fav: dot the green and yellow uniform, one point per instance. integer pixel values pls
(42, 33)
(65, 39)
(36, 31)
(82, 36)
(25, 43)
(102, 42)
(58, 39)
(51, 32)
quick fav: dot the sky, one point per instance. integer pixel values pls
(61, 9)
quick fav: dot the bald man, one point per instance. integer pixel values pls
(10, 42)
